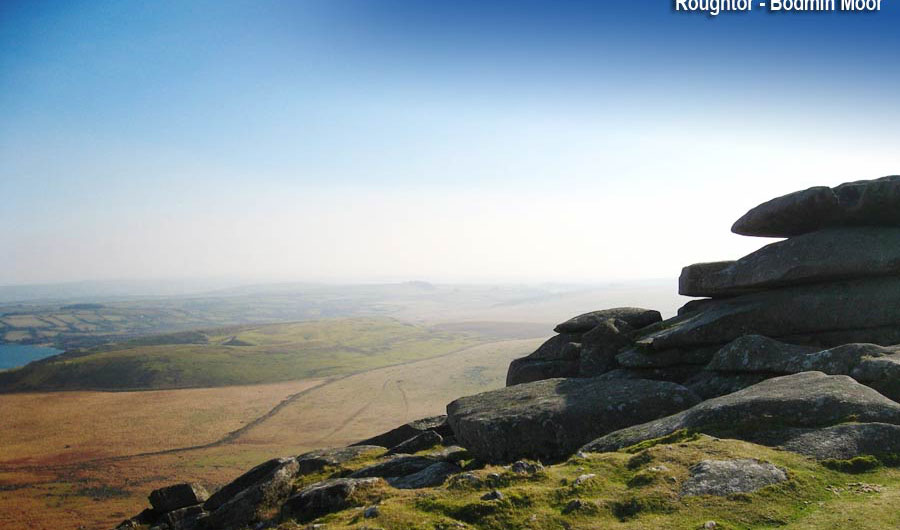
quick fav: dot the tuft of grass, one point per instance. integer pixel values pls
(681, 435)
(857, 464)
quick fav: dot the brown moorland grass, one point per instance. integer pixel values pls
(93, 484)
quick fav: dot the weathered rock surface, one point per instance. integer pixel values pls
(178, 496)
(634, 316)
(727, 477)
(433, 475)
(880, 373)
(314, 461)
(808, 399)
(409, 430)
(551, 419)
(875, 366)
(807, 309)
(248, 498)
(557, 357)
(839, 441)
(397, 466)
(674, 374)
(183, 518)
(708, 385)
(818, 257)
(417, 443)
(600, 345)
(325, 497)
(840, 360)
(865, 202)
(642, 357)
(755, 353)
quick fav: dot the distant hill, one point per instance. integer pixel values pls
(247, 355)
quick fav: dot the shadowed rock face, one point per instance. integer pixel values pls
(250, 496)
(178, 496)
(325, 497)
(820, 309)
(822, 256)
(551, 419)
(409, 430)
(559, 356)
(840, 441)
(805, 400)
(865, 202)
(635, 317)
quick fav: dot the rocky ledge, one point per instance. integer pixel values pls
(792, 351)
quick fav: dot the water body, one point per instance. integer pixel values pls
(13, 355)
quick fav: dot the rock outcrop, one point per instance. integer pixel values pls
(551, 419)
(796, 347)
(860, 203)
(789, 307)
(760, 413)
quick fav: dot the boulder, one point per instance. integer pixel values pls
(177, 496)
(433, 475)
(551, 419)
(325, 497)
(557, 357)
(634, 316)
(880, 373)
(883, 335)
(600, 345)
(187, 518)
(755, 353)
(527, 370)
(841, 442)
(251, 496)
(675, 374)
(417, 443)
(875, 366)
(727, 477)
(708, 385)
(804, 400)
(806, 309)
(642, 357)
(314, 461)
(818, 257)
(409, 430)
(397, 466)
(861, 203)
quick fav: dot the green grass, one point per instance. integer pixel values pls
(634, 491)
(263, 354)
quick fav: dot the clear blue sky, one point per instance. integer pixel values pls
(372, 140)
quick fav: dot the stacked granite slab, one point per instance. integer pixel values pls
(835, 280)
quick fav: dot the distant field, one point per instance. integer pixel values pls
(97, 480)
(243, 355)
(70, 323)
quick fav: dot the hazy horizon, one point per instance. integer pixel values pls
(349, 142)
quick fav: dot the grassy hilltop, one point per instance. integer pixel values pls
(248, 355)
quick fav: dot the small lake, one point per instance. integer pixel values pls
(13, 355)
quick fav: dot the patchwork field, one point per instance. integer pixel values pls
(122, 445)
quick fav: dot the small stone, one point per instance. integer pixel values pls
(574, 506)
(522, 467)
(584, 478)
(709, 525)
(370, 512)
(493, 495)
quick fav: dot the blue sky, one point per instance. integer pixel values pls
(451, 141)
